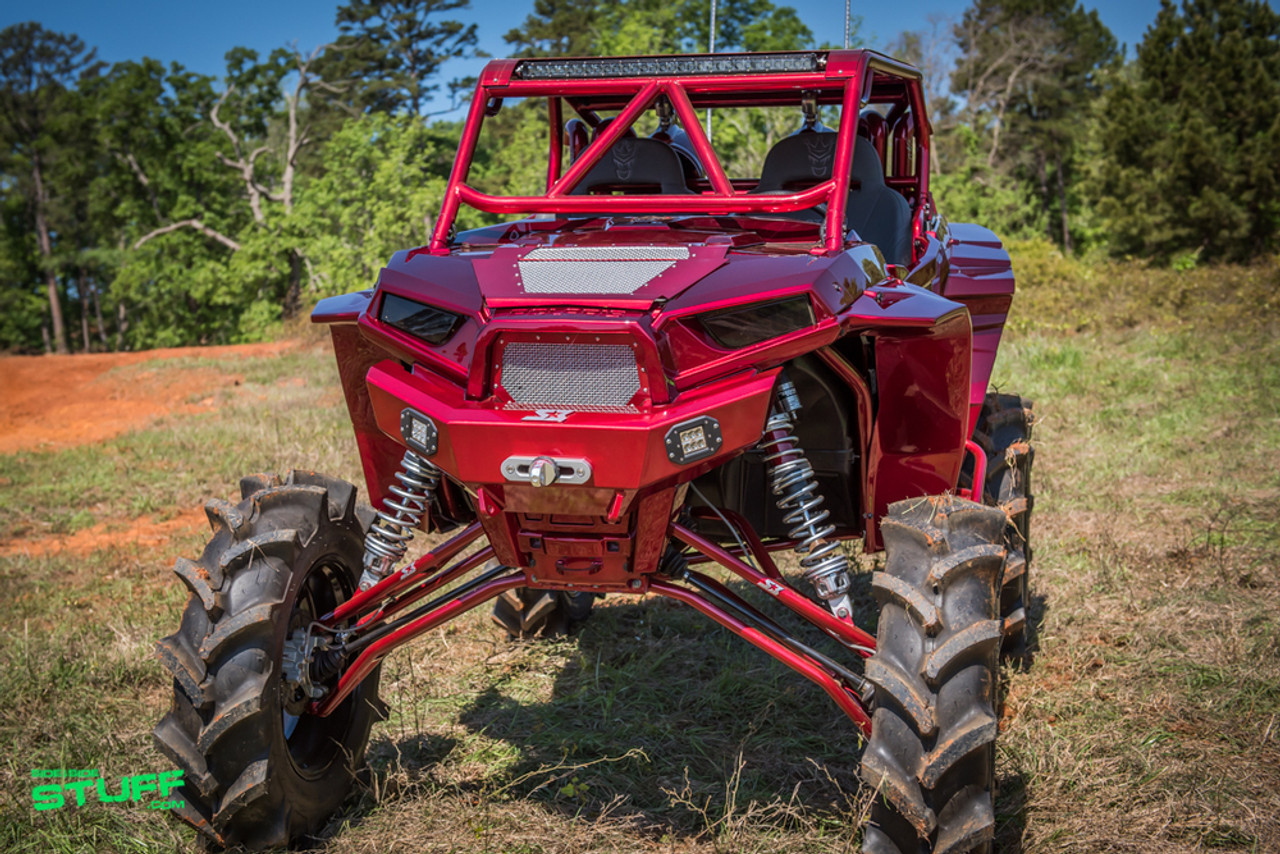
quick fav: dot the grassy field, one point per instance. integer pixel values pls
(1148, 719)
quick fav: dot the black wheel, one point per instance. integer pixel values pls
(931, 756)
(1004, 432)
(527, 613)
(259, 771)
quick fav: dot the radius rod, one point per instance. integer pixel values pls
(744, 611)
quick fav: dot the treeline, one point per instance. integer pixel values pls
(145, 205)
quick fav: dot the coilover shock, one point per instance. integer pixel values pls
(793, 481)
(389, 537)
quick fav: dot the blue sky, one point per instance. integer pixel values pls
(198, 34)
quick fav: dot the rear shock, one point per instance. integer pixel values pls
(389, 537)
(793, 481)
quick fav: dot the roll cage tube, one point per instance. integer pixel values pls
(843, 75)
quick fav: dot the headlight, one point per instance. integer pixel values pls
(743, 326)
(433, 325)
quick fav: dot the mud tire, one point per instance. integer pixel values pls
(931, 757)
(1004, 432)
(287, 553)
(525, 613)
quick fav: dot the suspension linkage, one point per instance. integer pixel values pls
(713, 590)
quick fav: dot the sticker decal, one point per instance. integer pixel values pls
(549, 415)
(773, 588)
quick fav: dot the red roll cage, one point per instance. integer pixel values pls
(689, 82)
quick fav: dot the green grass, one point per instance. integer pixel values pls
(1148, 719)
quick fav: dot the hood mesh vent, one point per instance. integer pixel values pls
(596, 269)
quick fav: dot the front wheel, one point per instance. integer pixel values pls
(258, 770)
(931, 757)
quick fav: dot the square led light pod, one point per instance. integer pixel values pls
(693, 440)
(418, 432)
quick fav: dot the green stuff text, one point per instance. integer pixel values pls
(82, 786)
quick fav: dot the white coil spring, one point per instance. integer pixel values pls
(825, 567)
(391, 532)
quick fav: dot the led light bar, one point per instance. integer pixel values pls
(670, 66)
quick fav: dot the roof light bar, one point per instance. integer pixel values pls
(670, 66)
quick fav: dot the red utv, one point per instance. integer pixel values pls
(677, 354)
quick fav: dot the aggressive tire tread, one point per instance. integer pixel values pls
(526, 613)
(223, 515)
(198, 581)
(908, 597)
(1004, 431)
(248, 787)
(229, 716)
(932, 750)
(277, 544)
(891, 680)
(188, 670)
(225, 728)
(968, 823)
(960, 648)
(228, 632)
(174, 743)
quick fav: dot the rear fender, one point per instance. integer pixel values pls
(980, 277)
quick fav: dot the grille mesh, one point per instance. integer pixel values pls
(596, 378)
(596, 269)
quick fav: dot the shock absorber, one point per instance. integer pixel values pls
(389, 537)
(793, 481)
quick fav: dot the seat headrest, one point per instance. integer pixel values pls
(867, 169)
(797, 161)
(635, 162)
(805, 158)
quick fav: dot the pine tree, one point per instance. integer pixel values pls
(1190, 138)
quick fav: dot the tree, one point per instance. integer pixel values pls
(595, 28)
(389, 50)
(1028, 70)
(378, 198)
(1187, 140)
(37, 67)
(558, 28)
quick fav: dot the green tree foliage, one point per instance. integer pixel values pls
(390, 50)
(378, 197)
(1028, 71)
(38, 69)
(1188, 140)
(558, 28)
(593, 28)
(973, 191)
(147, 205)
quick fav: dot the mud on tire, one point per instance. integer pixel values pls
(258, 771)
(931, 757)
(1004, 432)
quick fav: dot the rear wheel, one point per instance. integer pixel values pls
(528, 613)
(931, 756)
(258, 770)
(1004, 432)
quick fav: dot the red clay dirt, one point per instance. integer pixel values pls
(52, 402)
(145, 532)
